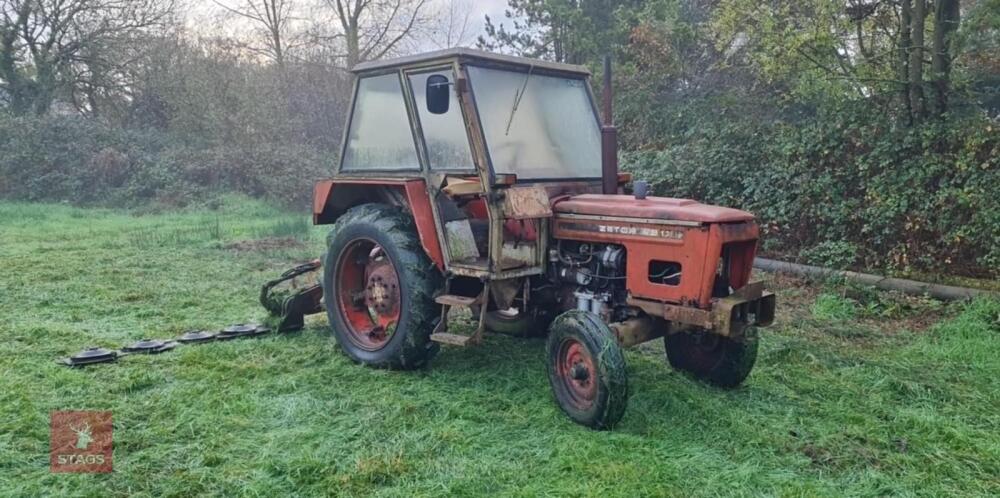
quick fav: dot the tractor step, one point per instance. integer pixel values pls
(452, 339)
(456, 300)
(448, 301)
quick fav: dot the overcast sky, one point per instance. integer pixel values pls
(481, 8)
(197, 9)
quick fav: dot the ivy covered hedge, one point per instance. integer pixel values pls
(847, 189)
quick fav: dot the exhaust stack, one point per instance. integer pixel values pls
(609, 137)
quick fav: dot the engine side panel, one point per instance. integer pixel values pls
(696, 247)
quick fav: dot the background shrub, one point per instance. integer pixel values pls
(846, 190)
(82, 161)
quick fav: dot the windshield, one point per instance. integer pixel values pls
(537, 126)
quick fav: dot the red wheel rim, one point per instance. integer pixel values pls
(368, 294)
(577, 373)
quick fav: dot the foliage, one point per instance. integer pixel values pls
(856, 408)
(980, 42)
(206, 118)
(74, 50)
(845, 189)
(81, 161)
(562, 30)
(799, 112)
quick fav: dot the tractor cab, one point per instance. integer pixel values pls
(489, 139)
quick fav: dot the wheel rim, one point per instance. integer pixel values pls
(577, 373)
(368, 294)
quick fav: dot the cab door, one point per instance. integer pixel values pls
(453, 176)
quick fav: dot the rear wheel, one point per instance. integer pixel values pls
(586, 369)
(379, 287)
(719, 360)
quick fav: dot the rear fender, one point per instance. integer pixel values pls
(332, 198)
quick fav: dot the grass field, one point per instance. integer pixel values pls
(855, 393)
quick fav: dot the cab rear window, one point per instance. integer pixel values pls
(380, 136)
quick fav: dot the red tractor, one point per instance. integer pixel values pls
(486, 181)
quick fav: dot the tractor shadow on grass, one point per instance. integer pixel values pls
(505, 378)
(662, 401)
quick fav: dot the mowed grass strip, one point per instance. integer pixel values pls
(855, 393)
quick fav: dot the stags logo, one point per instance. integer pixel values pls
(80, 441)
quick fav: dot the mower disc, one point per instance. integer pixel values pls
(237, 330)
(91, 356)
(196, 336)
(150, 346)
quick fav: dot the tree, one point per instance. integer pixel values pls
(571, 31)
(370, 29)
(452, 26)
(884, 51)
(947, 17)
(979, 39)
(74, 49)
(272, 19)
(918, 17)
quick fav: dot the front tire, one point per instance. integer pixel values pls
(587, 370)
(379, 288)
(719, 360)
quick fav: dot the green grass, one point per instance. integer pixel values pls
(834, 308)
(868, 403)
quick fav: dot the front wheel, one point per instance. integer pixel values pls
(586, 369)
(379, 287)
(719, 360)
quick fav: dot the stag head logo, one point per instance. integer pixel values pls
(81, 441)
(83, 435)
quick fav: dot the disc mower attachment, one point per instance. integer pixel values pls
(90, 356)
(150, 346)
(196, 337)
(241, 330)
(293, 295)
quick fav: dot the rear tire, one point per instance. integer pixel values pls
(389, 327)
(716, 359)
(587, 370)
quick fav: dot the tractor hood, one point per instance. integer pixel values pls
(658, 208)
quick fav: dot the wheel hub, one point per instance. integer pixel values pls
(382, 289)
(576, 367)
(368, 294)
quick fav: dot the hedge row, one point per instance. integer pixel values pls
(840, 189)
(846, 190)
(72, 159)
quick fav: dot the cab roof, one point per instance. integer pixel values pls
(468, 55)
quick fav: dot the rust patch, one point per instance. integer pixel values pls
(522, 203)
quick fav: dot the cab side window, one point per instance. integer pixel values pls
(444, 134)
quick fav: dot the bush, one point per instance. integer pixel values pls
(845, 189)
(81, 161)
